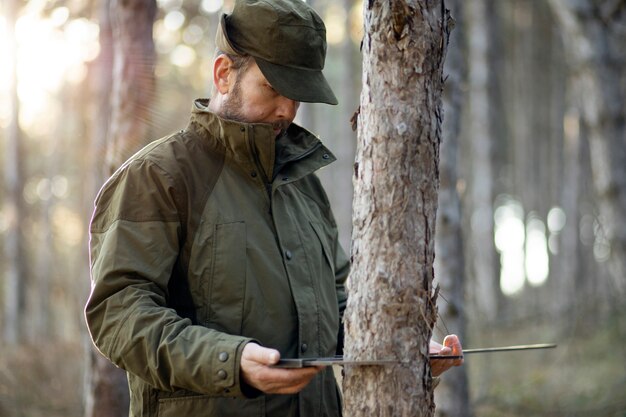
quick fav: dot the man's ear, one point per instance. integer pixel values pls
(222, 73)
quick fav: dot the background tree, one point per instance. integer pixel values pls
(452, 393)
(132, 96)
(14, 285)
(391, 309)
(133, 89)
(480, 143)
(14, 269)
(594, 32)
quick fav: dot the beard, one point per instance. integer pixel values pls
(231, 109)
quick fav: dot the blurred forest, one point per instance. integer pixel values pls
(531, 244)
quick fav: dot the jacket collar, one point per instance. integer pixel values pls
(255, 146)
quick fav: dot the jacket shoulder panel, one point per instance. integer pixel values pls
(164, 181)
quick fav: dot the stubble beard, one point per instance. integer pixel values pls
(231, 109)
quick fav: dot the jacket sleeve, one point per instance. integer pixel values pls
(134, 244)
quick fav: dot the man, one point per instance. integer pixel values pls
(214, 251)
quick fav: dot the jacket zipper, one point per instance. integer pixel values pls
(266, 181)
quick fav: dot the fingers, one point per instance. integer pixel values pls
(288, 381)
(281, 381)
(451, 347)
(256, 371)
(439, 366)
(264, 356)
(452, 341)
(445, 351)
(434, 347)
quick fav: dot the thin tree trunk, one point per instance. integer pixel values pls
(133, 85)
(391, 307)
(568, 279)
(452, 395)
(14, 276)
(41, 329)
(133, 89)
(481, 187)
(595, 35)
(345, 146)
(565, 174)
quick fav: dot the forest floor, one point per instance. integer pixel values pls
(42, 380)
(585, 376)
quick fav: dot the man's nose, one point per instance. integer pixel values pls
(287, 108)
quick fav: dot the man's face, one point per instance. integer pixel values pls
(251, 99)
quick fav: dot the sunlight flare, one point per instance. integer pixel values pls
(509, 238)
(537, 261)
(49, 52)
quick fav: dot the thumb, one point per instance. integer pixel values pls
(452, 341)
(256, 353)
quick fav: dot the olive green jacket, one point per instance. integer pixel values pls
(203, 241)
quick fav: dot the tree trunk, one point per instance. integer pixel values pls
(482, 249)
(14, 277)
(595, 35)
(570, 268)
(391, 307)
(452, 395)
(133, 90)
(129, 31)
(344, 147)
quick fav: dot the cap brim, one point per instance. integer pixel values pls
(309, 86)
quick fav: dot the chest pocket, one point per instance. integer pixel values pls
(318, 228)
(227, 285)
(323, 269)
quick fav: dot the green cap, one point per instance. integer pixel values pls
(287, 39)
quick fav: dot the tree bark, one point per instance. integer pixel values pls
(452, 394)
(391, 307)
(14, 276)
(595, 35)
(132, 57)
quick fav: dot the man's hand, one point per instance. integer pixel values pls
(255, 371)
(451, 347)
